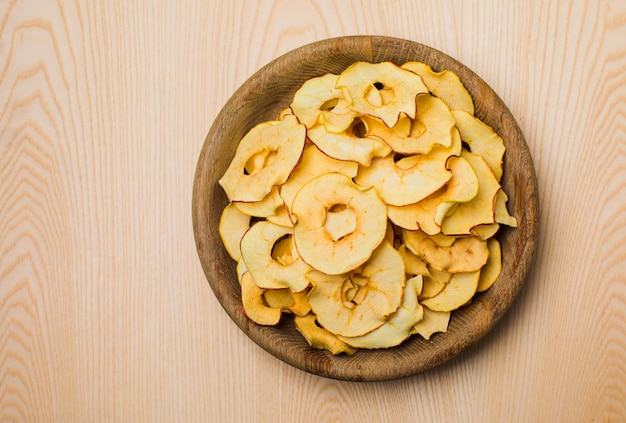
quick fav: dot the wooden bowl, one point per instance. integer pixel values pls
(270, 90)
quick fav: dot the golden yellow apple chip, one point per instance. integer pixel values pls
(407, 181)
(263, 208)
(356, 303)
(490, 272)
(399, 325)
(445, 85)
(233, 225)
(413, 265)
(319, 101)
(320, 338)
(466, 254)
(428, 213)
(317, 245)
(485, 231)
(280, 146)
(456, 293)
(432, 126)
(288, 301)
(433, 322)
(479, 210)
(501, 214)
(314, 163)
(354, 144)
(253, 304)
(482, 140)
(382, 89)
(268, 272)
(281, 217)
(434, 283)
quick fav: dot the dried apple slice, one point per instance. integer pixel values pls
(340, 221)
(233, 225)
(432, 125)
(284, 112)
(281, 217)
(356, 303)
(353, 144)
(279, 146)
(486, 230)
(269, 272)
(413, 265)
(501, 214)
(320, 338)
(466, 254)
(434, 283)
(442, 240)
(456, 293)
(479, 210)
(382, 89)
(428, 213)
(491, 270)
(311, 207)
(253, 305)
(398, 328)
(445, 84)
(319, 101)
(288, 301)
(407, 181)
(482, 140)
(313, 164)
(263, 208)
(411, 178)
(433, 322)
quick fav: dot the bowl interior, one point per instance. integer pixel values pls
(261, 98)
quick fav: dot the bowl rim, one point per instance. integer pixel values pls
(369, 365)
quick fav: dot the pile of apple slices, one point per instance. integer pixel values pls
(368, 208)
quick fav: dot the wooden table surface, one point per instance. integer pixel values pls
(105, 313)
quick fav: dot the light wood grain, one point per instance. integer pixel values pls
(105, 314)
